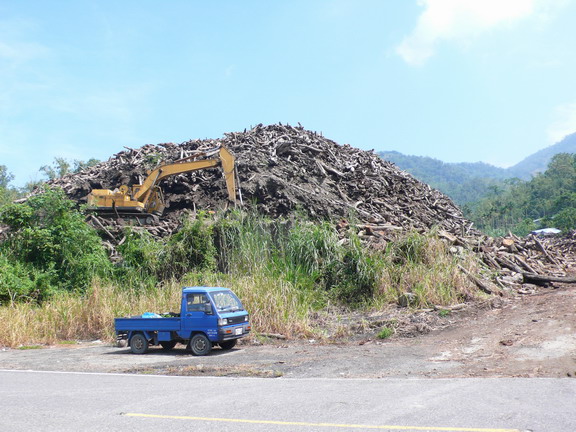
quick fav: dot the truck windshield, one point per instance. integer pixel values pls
(226, 301)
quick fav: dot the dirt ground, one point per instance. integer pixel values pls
(527, 336)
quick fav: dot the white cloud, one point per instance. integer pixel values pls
(463, 20)
(564, 122)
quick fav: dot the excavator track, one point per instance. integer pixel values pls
(140, 218)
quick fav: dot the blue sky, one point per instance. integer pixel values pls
(458, 80)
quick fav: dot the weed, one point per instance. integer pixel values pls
(422, 265)
(444, 313)
(385, 333)
(30, 347)
(152, 160)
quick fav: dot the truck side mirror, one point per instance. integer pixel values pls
(208, 309)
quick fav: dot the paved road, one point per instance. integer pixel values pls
(64, 401)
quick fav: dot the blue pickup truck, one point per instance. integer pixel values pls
(208, 316)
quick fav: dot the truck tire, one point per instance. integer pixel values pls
(167, 345)
(138, 344)
(228, 345)
(200, 345)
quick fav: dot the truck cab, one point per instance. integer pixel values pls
(208, 316)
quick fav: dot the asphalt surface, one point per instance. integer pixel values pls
(68, 401)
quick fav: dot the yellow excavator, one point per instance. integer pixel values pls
(147, 199)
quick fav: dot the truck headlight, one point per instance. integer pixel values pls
(222, 321)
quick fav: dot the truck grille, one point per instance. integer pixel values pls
(236, 319)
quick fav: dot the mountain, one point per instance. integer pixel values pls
(466, 182)
(538, 161)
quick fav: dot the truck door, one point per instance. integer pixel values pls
(200, 316)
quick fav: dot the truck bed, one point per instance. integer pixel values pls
(147, 324)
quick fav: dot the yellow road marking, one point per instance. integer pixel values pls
(333, 425)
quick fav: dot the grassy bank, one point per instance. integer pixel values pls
(279, 302)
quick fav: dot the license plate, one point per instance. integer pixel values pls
(238, 331)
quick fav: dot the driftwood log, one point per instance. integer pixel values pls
(545, 279)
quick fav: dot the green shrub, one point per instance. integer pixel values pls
(309, 255)
(245, 243)
(311, 247)
(141, 251)
(192, 247)
(525, 227)
(16, 216)
(48, 235)
(355, 275)
(15, 282)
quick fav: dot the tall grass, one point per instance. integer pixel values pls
(274, 307)
(424, 266)
(80, 317)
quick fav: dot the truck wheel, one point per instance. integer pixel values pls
(200, 345)
(167, 345)
(139, 344)
(228, 345)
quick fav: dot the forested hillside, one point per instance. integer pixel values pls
(549, 199)
(463, 182)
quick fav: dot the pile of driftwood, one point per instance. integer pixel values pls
(283, 170)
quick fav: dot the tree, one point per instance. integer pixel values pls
(5, 177)
(7, 193)
(81, 165)
(59, 168)
(565, 220)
